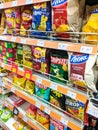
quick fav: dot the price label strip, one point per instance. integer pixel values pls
(71, 94)
(85, 49)
(23, 41)
(62, 46)
(40, 43)
(39, 81)
(13, 39)
(14, 3)
(53, 86)
(92, 111)
(28, 1)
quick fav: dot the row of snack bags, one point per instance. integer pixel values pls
(59, 16)
(62, 66)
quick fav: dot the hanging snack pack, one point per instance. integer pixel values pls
(59, 66)
(74, 107)
(81, 70)
(41, 18)
(26, 20)
(65, 16)
(42, 91)
(41, 59)
(27, 56)
(57, 99)
(12, 20)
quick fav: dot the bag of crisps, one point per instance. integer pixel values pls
(41, 18)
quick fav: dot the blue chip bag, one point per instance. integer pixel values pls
(41, 18)
(42, 91)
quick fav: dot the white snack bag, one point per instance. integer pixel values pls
(82, 70)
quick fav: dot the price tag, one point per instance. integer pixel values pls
(28, 74)
(23, 41)
(38, 105)
(92, 111)
(3, 38)
(13, 90)
(65, 122)
(47, 111)
(85, 49)
(53, 86)
(62, 46)
(3, 65)
(1, 6)
(14, 3)
(71, 94)
(13, 39)
(14, 68)
(28, 1)
(40, 43)
(39, 81)
(25, 119)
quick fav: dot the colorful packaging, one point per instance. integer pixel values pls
(19, 124)
(74, 107)
(59, 66)
(13, 20)
(91, 27)
(56, 125)
(42, 91)
(26, 20)
(81, 70)
(2, 24)
(6, 114)
(30, 87)
(43, 118)
(19, 54)
(31, 112)
(57, 99)
(41, 59)
(66, 16)
(27, 56)
(41, 18)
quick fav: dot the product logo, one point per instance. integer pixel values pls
(58, 2)
(37, 52)
(95, 11)
(59, 61)
(75, 59)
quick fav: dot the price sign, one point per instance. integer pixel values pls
(14, 3)
(13, 39)
(62, 46)
(39, 81)
(38, 105)
(1, 6)
(23, 41)
(28, 74)
(40, 43)
(14, 68)
(92, 111)
(25, 119)
(28, 1)
(85, 49)
(47, 111)
(71, 94)
(53, 86)
(65, 122)
(13, 90)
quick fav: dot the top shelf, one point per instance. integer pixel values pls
(73, 47)
(19, 3)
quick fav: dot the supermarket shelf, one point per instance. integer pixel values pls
(60, 116)
(22, 114)
(19, 3)
(67, 90)
(83, 48)
(92, 110)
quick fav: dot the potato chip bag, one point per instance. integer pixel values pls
(75, 108)
(43, 118)
(2, 24)
(13, 20)
(26, 20)
(81, 70)
(59, 66)
(41, 18)
(65, 16)
(30, 87)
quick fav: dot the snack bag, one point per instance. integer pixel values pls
(27, 56)
(56, 125)
(2, 24)
(74, 107)
(42, 91)
(30, 87)
(65, 16)
(81, 70)
(57, 99)
(41, 59)
(31, 111)
(43, 118)
(41, 18)
(19, 124)
(59, 66)
(12, 20)
(26, 20)
(91, 27)
(6, 115)
(19, 54)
